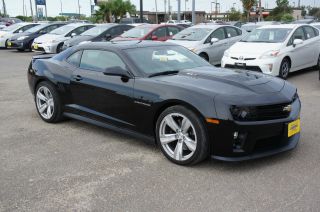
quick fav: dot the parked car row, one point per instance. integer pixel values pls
(271, 48)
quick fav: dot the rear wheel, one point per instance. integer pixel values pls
(6, 44)
(284, 68)
(48, 102)
(181, 136)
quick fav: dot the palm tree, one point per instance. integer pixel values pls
(116, 8)
(247, 5)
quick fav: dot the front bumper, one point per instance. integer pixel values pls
(3, 42)
(269, 66)
(16, 44)
(260, 138)
(49, 48)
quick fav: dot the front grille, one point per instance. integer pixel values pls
(249, 68)
(248, 58)
(260, 113)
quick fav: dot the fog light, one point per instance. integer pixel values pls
(239, 141)
(235, 135)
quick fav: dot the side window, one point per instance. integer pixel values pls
(74, 59)
(24, 28)
(173, 30)
(231, 32)
(160, 33)
(298, 34)
(99, 60)
(309, 32)
(219, 33)
(79, 30)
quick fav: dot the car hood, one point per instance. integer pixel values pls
(78, 39)
(252, 49)
(4, 33)
(119, 38)
(186, 43)
(230, 85)
(49, 37)
(16, 36)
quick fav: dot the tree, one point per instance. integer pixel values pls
(315, 11)
(247, 5)
(281, 11)
(234, 15)
(287, 18)
(115, 8)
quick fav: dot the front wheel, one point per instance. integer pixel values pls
(181, 136)
(204, 56)
(284, 68)
(48, 102)
(59, 48)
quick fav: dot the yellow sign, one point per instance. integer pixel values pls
(9, 43)
(35, 46)
(294, 128)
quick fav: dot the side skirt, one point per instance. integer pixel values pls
(148, 139)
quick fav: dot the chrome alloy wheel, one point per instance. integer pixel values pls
(285, 68)
(45, 103)
(178, 136)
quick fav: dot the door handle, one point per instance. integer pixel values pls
(77, 78)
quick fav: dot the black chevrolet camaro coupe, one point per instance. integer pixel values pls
(166, 94)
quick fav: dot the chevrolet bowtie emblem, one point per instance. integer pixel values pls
(287, 108)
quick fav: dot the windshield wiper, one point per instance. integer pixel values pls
(163, 73)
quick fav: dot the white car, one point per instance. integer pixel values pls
(316, 24)
(53, 41)
(276, 50)
(8, 32)
(209, 41)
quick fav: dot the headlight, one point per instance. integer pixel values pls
(227, 53)
(270, 54)
(241, 113)
(22, 37)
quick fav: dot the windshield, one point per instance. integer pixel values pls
(62, 30)
(36, 28)
(269, 35)
(12, 27)
(152, 60)
(95, 31)
(192, 34)
(137, 32)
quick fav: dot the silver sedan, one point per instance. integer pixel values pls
(209, 40)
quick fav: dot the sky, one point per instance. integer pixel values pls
(15, 7)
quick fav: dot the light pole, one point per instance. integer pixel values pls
(61, 7)
(79, 9)
(141, 11)
(185, 9)
(179, 11)
(216, 12)
(193, 12)
(4, 8)
(211, 10)
(155, 1)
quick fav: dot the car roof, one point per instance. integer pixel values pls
(282, 26)
(121, 45)
(209, 26)
(79, 24)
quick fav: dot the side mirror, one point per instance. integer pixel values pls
(108, 37)
(117, 71)
(214, 40)
(154, 37)
(297, 42)
(73, 34)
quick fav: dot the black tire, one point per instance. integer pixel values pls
(204, 56)
(59, 48)
(318, 66)
(284, 68)
(58, 108)
(202, 147)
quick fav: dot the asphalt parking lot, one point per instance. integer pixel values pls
(74, 166)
